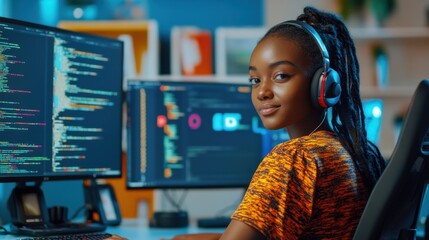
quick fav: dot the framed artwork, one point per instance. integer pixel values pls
(233, 47)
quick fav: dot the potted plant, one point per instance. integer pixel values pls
(380, 10)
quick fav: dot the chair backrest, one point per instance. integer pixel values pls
(393, 206)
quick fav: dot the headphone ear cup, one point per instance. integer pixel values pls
(315, 88)
(332, 88)
(325, 88)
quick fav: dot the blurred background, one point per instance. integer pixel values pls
(391, 39)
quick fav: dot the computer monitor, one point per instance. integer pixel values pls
(60, 114)
(194, 134)
(60, 103)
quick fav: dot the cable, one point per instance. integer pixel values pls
(320, 124)
(176, 204)
(76, 213)
(232, 206)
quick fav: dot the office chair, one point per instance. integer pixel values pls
(393, 206)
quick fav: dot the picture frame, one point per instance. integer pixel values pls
(233, 47)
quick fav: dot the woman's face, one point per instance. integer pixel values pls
(280, 76)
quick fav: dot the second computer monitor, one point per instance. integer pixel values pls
(193, 134)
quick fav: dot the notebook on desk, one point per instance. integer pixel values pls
(48, 230)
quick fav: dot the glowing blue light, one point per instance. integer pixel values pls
(376, 111)
(48, 11)
(226, 121)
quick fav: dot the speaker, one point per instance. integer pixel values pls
(169, 220)
(325, 84)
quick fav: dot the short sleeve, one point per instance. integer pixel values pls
(279, 200)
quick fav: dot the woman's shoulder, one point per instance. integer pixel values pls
(305, 143)
(323, 144)
(307, 151)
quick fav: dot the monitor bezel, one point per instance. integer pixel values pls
(65, 176)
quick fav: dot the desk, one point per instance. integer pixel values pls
(137, 230)
(134, 230)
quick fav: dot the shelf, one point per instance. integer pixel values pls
(389, 33)
(99, 25)
(389, 92)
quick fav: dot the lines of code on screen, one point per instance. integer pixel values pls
(57, 92)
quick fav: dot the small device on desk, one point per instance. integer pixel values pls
(27, 206)
(104, 207)
(169, 220)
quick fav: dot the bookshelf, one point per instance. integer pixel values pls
(408, 54)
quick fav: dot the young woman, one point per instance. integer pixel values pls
(314, 186)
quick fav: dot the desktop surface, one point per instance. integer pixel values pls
(134, 229)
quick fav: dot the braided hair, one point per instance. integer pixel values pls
(348, 119)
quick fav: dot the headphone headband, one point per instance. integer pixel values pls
(325, 87)
(310, 30)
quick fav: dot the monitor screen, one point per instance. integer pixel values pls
(193, 134)
(60, 103)
(373, 110)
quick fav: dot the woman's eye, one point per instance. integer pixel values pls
(282, 76)
(254, 81)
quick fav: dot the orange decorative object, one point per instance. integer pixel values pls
(204, 66)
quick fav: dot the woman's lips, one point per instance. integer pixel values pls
(267, 110)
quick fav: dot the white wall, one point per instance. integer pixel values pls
(281, 10)
(408, 13)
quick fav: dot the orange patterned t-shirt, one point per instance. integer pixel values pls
(306, 188)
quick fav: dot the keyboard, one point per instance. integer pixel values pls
(83, 236)
(54, 230)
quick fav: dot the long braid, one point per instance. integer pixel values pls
(348, 119)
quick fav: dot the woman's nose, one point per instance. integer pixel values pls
(265, 90)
